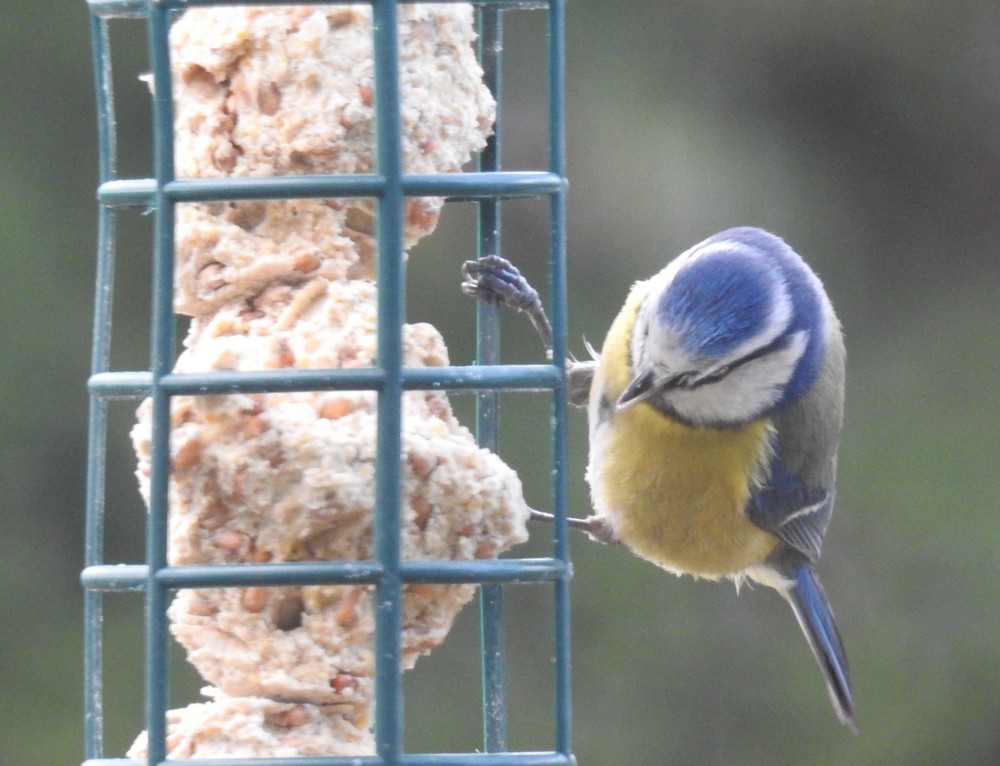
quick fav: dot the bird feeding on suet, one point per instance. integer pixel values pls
(715, 407)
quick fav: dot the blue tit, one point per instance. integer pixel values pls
(715, 416)
(715, 408)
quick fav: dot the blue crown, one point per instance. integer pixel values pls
(722, 299)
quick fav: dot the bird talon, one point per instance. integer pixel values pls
(595, 526)
(496, 277)
(493, 277)
(579, 379)
(600, 531)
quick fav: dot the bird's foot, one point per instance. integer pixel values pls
(595, 526)
(493, 277)
(579, 377)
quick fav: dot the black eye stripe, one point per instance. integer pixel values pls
(690, 380)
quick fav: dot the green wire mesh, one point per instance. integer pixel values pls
(386, 571)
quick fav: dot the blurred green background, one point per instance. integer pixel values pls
(868, 135)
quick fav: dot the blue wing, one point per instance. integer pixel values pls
(796, 514)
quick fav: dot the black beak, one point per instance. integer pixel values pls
(645, 386)
(639, 390)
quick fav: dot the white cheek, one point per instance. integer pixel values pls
(746, 392)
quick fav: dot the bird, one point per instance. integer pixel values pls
(715, 409)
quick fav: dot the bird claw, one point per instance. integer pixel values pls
(495, 278)
(596, 527)
(579, 379)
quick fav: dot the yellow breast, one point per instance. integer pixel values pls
(674, 494)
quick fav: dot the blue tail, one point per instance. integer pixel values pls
(814, 615)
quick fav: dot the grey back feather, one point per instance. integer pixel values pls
(796, 502)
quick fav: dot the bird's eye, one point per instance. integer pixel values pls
(685, 379)
(715, 375)
(693, 379)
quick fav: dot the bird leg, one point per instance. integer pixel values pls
(495, 278)
(595, 526)
(579, 378)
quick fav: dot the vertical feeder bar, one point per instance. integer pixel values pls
(557, 164)
(495, 736)
(391, 313)
(161, 362)
(97, 430)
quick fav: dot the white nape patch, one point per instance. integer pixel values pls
(745, 393)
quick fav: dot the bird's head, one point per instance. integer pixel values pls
(728, 331)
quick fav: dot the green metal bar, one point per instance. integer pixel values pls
(138, 384)
(161, 363)
(520, 184)
(520, 377)
(97, 432)
(135, 577)
(391, 314)
(138, 8)
(276, 187)
(117, 9)
(421, 759)
(457, 185)
(557, 164)
(494, 684)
